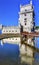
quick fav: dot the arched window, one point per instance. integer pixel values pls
(16, 31)
(12, 38)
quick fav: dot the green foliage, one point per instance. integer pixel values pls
(37, 27)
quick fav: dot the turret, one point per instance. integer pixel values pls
(31, 2)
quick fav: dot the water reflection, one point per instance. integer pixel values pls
(27, 60)
(17, 61)
(11, 56)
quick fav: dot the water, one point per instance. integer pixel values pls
(9, 55)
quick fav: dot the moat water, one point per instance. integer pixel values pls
(9, 55)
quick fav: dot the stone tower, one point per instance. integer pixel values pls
(26, 21)
(26, 17)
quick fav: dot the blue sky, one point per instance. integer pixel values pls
(9, 16)
(9, 11)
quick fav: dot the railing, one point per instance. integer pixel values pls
(31, 34)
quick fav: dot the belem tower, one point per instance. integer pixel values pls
(26, 24)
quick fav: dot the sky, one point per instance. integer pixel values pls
(9, 16)
(9, 11)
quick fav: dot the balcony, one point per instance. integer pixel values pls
(27, 11)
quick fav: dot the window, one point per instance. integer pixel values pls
(3, 30)
(25, 10)
(16, 30)
(25, 14)
(12, 31)
(25, 23)
(25, 19)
